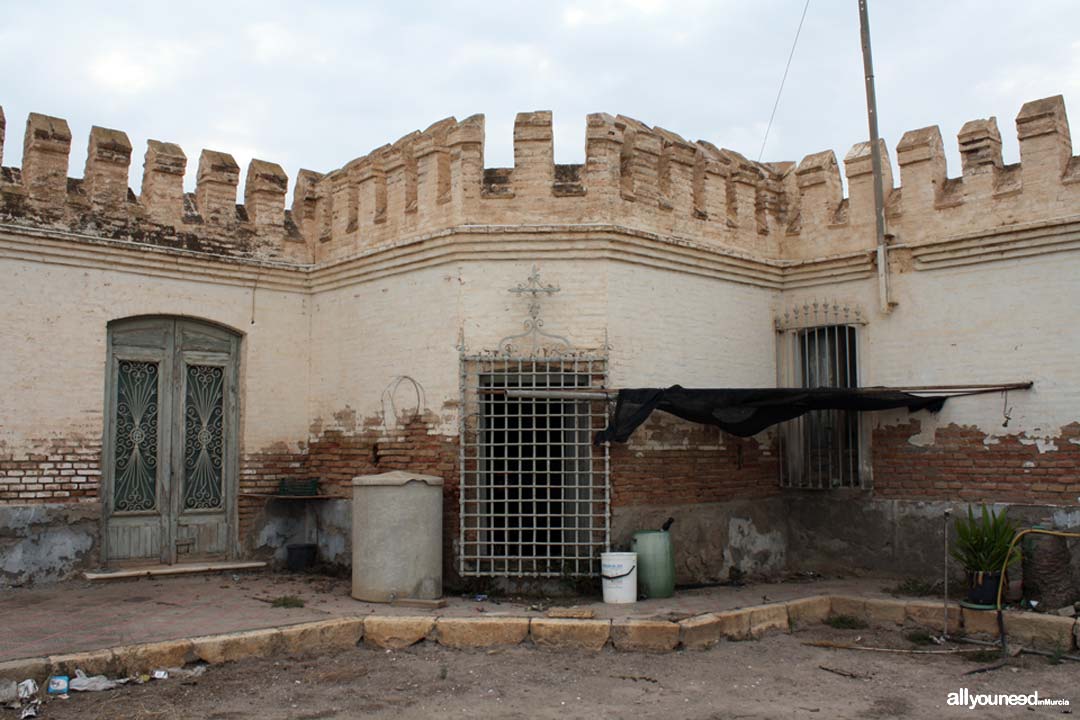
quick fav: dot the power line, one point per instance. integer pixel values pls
(783, 79)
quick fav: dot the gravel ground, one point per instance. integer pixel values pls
(777, 676)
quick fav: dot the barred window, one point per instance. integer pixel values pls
(534, 491)
(820, 450)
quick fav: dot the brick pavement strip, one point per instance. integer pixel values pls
(808, 611)
(644, 635)
(931, 615)
(397, 632)
(570, 634)
(339, 633)
(981, 622)
(1046, 632)
(768, 618)
(135, 659)
(481, 632)
(699, 632)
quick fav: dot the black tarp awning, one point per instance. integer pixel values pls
(748, 411)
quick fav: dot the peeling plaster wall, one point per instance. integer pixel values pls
(367, 334)
(710, 539)
(991, 322)
(51, 408)
(854, 532)
(47, 542)
(58, 340)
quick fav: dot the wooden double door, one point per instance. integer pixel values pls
(170, 449)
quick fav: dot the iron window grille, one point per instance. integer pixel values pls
(822, 449)
(535, 495)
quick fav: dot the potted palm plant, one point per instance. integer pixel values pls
(983, 548)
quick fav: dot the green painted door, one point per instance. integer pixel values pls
(170, 455)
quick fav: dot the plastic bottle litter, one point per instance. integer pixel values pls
(27, 689)
(83, 683)
(58, 685)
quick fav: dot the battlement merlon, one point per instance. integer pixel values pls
(46, 147)
(105, 179)
(162, 194)
(647, 178)
(1045, 142)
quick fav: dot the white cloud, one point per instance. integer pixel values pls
(606, 12)
(130, 68)
(1018, 81)
(117, 71)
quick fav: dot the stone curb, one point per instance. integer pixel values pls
(1048, 632)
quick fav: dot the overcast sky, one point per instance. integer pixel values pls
(313, 85)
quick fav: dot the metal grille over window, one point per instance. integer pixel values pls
(820, 450)
(136, 452)
(204, 441)
(534, 491)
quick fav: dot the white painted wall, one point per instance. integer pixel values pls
(998, 322)
(53, 331)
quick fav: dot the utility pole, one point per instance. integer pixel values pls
(875, 162)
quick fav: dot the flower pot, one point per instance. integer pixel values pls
(983, 587)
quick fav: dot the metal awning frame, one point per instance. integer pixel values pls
(608, 393)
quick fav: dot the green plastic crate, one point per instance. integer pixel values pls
(297, 486)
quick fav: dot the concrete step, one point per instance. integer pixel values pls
(126, 573)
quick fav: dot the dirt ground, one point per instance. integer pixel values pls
(777, 676)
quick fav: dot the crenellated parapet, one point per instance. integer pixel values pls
(647, 179)
(40, 193)
(929, 205)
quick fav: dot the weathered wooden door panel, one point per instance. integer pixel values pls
(170, 441)
(205, 439)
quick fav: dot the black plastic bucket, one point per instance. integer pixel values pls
(983, 587)
(300, 557)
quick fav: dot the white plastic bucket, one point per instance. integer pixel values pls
(618, 571)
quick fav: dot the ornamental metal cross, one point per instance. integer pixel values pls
(534, 288)
(534, 332)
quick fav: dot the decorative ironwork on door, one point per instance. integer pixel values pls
(136, 452)
(204, 439)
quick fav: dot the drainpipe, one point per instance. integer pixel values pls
(875, 163)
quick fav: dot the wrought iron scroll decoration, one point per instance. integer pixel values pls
(136, 451)
(204, 437)
(532, 340)
(817, 313)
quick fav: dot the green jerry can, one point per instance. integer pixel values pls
(656, 562)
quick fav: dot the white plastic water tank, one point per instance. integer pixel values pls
(397, 536)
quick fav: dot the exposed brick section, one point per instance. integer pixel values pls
(670, 462)
(961, 465)
(56, 470)
(336, 456)
(262, 472)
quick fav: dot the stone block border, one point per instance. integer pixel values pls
(1047, 632)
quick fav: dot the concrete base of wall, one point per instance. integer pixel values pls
(833, 532)
(712, 538)
(46, 543)
(328, 523)
(842, 531)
